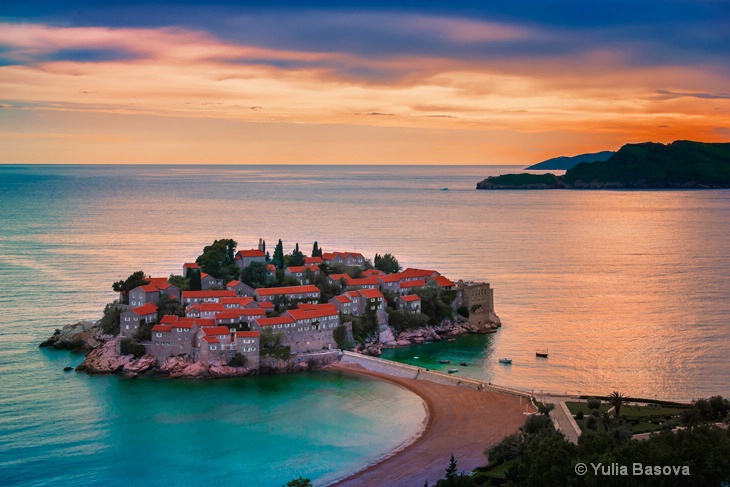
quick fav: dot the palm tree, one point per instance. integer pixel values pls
(616, 399)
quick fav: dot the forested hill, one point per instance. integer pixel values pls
(566, 162)
(681, 164)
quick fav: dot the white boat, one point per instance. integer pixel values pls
(505, 360)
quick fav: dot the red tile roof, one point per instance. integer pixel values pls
(413, 272)
(313, 261)
(363, 281)
(343, 255)
(250, 253)
(390, 278)
(442, 281)
(241, 302)
(162, 328)
(270, 268)
(337, 277)
(145, 309)
(211, 306)
(266, 305)
(204, 322)
(279, 320)
(372, 272)
(249, 334)
(167, 319)
(233, 283)
(300, 268)
(301, 314)
(272, 291)
(371, 294)
(411, 298)
(211, 339)
(228, 314)
(215, 330)
(190, 265)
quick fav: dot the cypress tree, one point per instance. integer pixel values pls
(278, 259)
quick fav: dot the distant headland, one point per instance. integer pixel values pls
(567, 162)
(682, 164)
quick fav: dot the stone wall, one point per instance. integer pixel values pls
(398, 369)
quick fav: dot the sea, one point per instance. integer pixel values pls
(626, 290)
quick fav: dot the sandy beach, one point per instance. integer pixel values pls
(461, 421)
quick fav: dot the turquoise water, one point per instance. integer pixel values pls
(627, 289)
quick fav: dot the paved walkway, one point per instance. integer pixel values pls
(562, 418)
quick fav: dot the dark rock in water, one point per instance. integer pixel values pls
(68, 344)
(68, 369)
(81, 367)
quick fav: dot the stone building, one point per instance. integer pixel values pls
(478, 298)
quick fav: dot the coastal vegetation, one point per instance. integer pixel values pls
(540, 455)
(681, 164)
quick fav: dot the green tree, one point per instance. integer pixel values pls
(316, 251)
(238, 360)
(194, 280)
(386, 263)
(110, 320)
(278, 258)
(299, 482)
(616, 399)
(169, 306)
(123, 287)
(254, 275)
(217, 259)
(297, 257)
(182, 282)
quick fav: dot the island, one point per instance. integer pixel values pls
(682, 164)
(236, 313)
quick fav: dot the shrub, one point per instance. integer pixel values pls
(579, 415)
(130, 347)
(463, 311)
(110, 320)
(593, 403)
(238, 360)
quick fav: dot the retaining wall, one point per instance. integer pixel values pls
(398, 369)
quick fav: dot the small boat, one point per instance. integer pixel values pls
(453, 371)
(505, 360)
(463, 364)
(543, 354)
(451, 340)
(415, 358)
(444, 189)
(444, 361)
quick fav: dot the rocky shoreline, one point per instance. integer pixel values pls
(102, 356)
(448, 329)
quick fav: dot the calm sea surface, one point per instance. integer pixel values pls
(628, 290)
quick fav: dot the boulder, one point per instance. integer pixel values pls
(104, 360)
(139, 365)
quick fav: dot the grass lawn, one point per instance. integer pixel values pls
(642, 418)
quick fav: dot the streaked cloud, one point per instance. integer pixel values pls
(508, 76)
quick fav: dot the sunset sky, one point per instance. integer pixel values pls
(348, 82)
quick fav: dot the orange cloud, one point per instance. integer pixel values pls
(596, 101)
